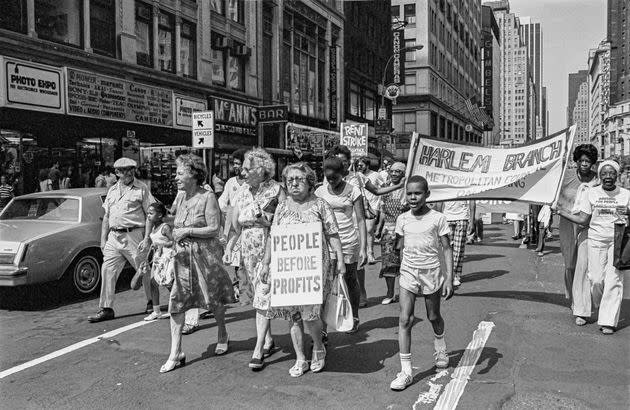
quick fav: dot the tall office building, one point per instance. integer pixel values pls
(580, 114)
(443, 80)
(575, 84)
(617, 35)
(599, 97)
(532, 35)
(516, 81)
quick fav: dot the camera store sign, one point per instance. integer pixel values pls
(31, 86)
(398, 63)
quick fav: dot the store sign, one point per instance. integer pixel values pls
(31, 86)
(383, 127)
(332, 93)
(273, 113)
(233, 117)
(398, 62)
(184, 108)
(98, 96)
(487, 73)
(301, 138)
(203, 129)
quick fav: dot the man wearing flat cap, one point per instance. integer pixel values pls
(126, 208)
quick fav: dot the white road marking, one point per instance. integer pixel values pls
(455, 388)
(429, 397)
(70, 348)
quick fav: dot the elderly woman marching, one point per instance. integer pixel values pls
(253, 212)
(302, 206)
(200, 280)
(601, 208)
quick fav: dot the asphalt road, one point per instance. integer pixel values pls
(534, 356)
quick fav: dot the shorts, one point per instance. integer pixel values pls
(419, 280)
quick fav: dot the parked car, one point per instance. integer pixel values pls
(48, 236)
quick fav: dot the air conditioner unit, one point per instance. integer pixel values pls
(143, 59)
(220, 43)
(241, 50)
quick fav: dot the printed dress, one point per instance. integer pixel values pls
(319, 211)
(200, 279)
(253, 239)
(391, 207)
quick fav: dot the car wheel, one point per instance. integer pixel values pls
(85, 273)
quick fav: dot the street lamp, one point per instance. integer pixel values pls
(401, 51)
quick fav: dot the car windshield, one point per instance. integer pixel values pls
(44, 209)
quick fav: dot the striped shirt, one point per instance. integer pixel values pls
(6, 193)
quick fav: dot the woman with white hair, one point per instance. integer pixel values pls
(254, 207)
(601, 208)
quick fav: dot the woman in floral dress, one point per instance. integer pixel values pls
(255, 205)
(391, 207)
(302, 206)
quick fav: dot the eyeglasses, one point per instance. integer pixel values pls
(247, 170)
(123, 170)
(293, 180)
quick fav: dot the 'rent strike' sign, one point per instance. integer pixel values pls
(355, 137)
(296, 267)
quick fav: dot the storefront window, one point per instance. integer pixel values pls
(59, 21)
(102, 27)
(355, 97)
(13, 16)
(236, 67)
(144, 35)
(369, 105)
(217, 6)
(188, 50)
(166, 42)
(236, 10)
(218, 59)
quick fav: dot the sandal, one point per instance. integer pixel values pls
(299, 368)
(222, 348)
(318, 360)
(188, 329)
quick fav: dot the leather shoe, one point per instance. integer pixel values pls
(103, 315)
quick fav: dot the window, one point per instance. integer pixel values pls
(144, 35)
(217, 6)
(355, 98)
(59, 21)
(434, 124)
(410, 84)
(410, 122)
(13, 16)
(166, 42)
(236, 71)
(102, 27)
(369, 105)
(410, 15)
(410, 55)
(188, 50)
(395, 13)
(218, 58)
(236, 10)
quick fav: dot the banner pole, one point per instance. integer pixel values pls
(565, 160)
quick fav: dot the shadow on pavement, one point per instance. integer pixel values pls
(481, 257)
(490, 355)
(471, 277)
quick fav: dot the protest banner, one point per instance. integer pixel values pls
(296, 268)
(355, 137)
(530, 173)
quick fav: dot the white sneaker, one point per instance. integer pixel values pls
(387, 301)
(456, 281)
(153, 316)
(441, 359)
(401, 382)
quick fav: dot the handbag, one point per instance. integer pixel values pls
(621, 258)
(338, 311)
(163, 270)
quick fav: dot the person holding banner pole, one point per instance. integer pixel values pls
(253, 212)
(601, 208)
(300, 207)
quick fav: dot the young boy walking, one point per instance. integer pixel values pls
(420, 231)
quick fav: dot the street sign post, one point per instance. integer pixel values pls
(203, 129)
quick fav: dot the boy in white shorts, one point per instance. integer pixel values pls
(420, 231)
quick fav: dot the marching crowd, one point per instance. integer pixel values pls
(187, 247)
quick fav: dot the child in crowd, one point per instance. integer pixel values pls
(162, 244)
(420, 231)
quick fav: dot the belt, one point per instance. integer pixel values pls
(121, 229)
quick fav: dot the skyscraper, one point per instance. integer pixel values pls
(575, 83)
(532, 36)
(617, 35)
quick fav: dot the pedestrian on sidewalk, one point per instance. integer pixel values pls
(200, 279)
(420, 232)
(543, 220)
(300, 207)
(460, 218)
(392, 205)
(126, 207)
(364, 165)
(254, 208)
(573, 237)
(601, 208)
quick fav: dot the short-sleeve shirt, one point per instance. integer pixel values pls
(343, 207)
(421, 235)
(456, 211)
(228, 198)
(602, 206)
(6, 193)
(127, 206)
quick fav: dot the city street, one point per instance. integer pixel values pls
(534, 356)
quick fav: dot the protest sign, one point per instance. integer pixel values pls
(296, 267)
(355, 137)
(530, 173)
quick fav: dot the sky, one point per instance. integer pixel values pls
(570, 29)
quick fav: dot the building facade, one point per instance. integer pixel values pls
(616, 129)
(516, 82)
(575, 86)
(96, 79)
(442, 82)
(580, 115)
(532, 35)
(618, 19)
(599, 97)
(491, 75)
